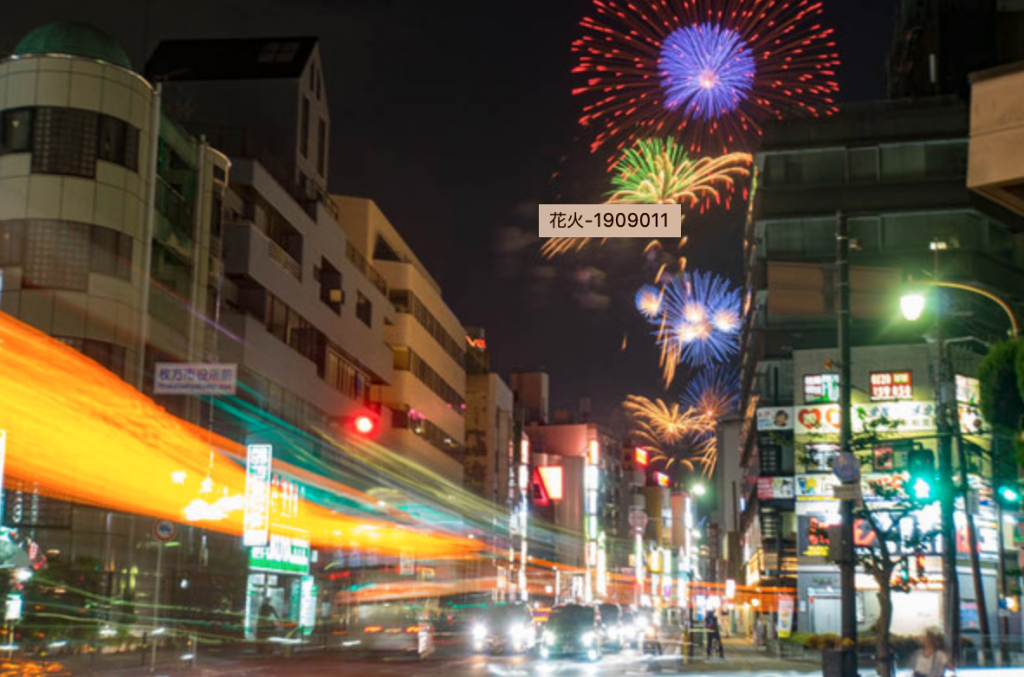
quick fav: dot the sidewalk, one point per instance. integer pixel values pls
(740, 655)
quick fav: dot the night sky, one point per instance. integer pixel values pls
(456, 117)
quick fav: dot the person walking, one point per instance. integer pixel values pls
(932, 660)
(713, 635)
(266, 624)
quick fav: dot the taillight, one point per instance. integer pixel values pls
(372, 628)
(414, 628)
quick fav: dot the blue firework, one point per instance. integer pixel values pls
(648, 301)
(700, 320)
(714, 393)
(706, 70)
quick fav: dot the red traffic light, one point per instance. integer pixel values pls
(364, 425)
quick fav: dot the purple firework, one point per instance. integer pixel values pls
(706, 70)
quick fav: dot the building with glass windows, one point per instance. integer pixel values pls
(427, 392)
(898, 172)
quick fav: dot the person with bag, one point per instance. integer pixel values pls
(932, 660)
(713, 634)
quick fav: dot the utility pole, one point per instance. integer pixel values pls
(847, 567)
(944, 429)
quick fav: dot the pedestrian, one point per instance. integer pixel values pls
(714, 635)
(932, 660)
(266, 624)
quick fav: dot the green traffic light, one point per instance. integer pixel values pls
(922, 489)
(1009, 494)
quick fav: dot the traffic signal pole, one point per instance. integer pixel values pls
(847, 567)
(943, 425)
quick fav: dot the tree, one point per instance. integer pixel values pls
(886, 548)
(1001, 382)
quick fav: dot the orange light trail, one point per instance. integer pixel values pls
(80, 433)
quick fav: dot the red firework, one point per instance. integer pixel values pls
(709, 71)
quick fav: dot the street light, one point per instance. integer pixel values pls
(699, 490)
(912, 306)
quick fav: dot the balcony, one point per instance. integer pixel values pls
(250, 253)
(995, 166)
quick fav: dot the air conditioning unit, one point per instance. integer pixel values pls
(337, 296)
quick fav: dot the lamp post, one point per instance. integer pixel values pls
(912, 306)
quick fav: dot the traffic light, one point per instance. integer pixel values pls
(921, 576)
(921, 485)
(1009, 494)
(905, 571)
(363, 424)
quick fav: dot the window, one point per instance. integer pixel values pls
(364, 309)
(57, 255)
(321, 147)
(863, 164)
(65, 142)
(304, 127)
(12, 243)
(331, 293)
(118, 142)
(16, 135)
(407, 360)
(278, 52)
(407, 302)
(110, 253)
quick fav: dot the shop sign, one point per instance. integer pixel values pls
(891, 385)
(189, 378)
(968, 390)
(257, 494)
(816, 487)
(825, 419)
(821, 388)
(283, 554)
(770, 488)
(812, 539)
(774, 418)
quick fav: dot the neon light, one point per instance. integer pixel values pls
(642, 457)
(551, 478)
(594, 453)
(661, 479)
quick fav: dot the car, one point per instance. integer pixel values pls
(508, 627)
(572, 630)
(612, 629)
(397, 629)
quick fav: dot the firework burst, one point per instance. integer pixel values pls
(659, 423)
(714, 393)
(659, 171)
(712, 70)
(699, 322)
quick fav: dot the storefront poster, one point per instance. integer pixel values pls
(785, 622)
(770, 488)
(775, 418)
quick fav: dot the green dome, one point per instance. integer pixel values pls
(75, 39)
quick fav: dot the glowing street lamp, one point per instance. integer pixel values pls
(699, 490)
(912, 306)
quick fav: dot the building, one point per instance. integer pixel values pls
(897, 170)
(427, 392)
(257, 98)
(584, 526)
(490, 404)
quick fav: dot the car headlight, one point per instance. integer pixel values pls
(517, 631)
(587, 638)
(549, 637)
(479, 632)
